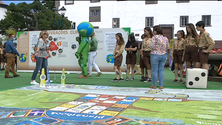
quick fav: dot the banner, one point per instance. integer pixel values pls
(64, 46)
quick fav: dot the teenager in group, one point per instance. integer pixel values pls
(191, 45)
(206, 44)
(145, 51)
(131, 49)
(177, 54)
(159, 48)
(41, 55)
(118, 57)
(142, 64)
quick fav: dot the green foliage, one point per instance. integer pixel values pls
(34, 16)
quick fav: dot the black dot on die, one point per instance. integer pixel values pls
(197, 78)
(191, 83)
(203, 74)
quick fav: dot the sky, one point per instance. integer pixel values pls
(16, 1)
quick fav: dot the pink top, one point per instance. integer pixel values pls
(159, 45)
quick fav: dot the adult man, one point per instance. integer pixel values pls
(10, 55)
(92, 54)
(206, 44)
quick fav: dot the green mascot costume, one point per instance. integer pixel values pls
(85, 30)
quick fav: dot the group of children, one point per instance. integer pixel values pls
(189, 47)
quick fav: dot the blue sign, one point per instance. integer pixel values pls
(132, 98)
(125, 102)
(109, 58)
(79, 117)
(88, 98)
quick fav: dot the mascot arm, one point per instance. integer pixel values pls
(83, 44)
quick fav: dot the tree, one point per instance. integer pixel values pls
(34, 16)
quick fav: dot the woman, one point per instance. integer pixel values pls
(177, 54)
(145, 52)
(191, 45)
(143, 68)
(118, 57)
(41, 55)
(159, 47)
(131, 49)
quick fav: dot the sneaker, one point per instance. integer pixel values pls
(145, 79)
(142, 78)
(175, 80)
(34, 82)
(127, 78)
(158, 80)
(132, 78)
(98, 74)
(181, 81)
(115, 79)
(121, 79)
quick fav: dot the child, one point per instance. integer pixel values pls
(177, 54)
(118, 57)
(131, 48)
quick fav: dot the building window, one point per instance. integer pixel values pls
(67, 2)
(151, 1)
(182, 1)
(206, 19)
(94, 1)
(94, 14)
(116, 22)
(149, 22)
(184, 20)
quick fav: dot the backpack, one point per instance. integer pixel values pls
(213, 69)
(219, 72)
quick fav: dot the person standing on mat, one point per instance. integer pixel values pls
(92, 54)
(118, 57)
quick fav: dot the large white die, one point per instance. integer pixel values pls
(196, 78)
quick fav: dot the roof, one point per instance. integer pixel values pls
(2, 3)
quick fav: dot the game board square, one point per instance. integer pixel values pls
(91, 111)
(98, 108)
(105, 104)
(115, 109)
(144, 98)
(109, 101)
(59, 109)
(88, 98)
(125, 102)
(82, 100)
(120, 105)
(175, 100)
(19, 113)
(159, 99)
(36, 113)
(96, 101)
(105, 96)
(89, 104)
(131, 122)
(75, 102)
(132, 98)
(91, 95)
(119, 97)
(75, 110)
(109, 113)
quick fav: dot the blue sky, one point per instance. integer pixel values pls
(16, 1)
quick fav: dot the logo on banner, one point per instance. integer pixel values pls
(23, 57)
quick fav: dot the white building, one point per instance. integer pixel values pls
(3, 9)
(172, 15)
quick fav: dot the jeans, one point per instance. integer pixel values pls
(40, 62)
(157, 63)
(46, 63)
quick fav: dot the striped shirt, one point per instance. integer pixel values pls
(159, 45)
